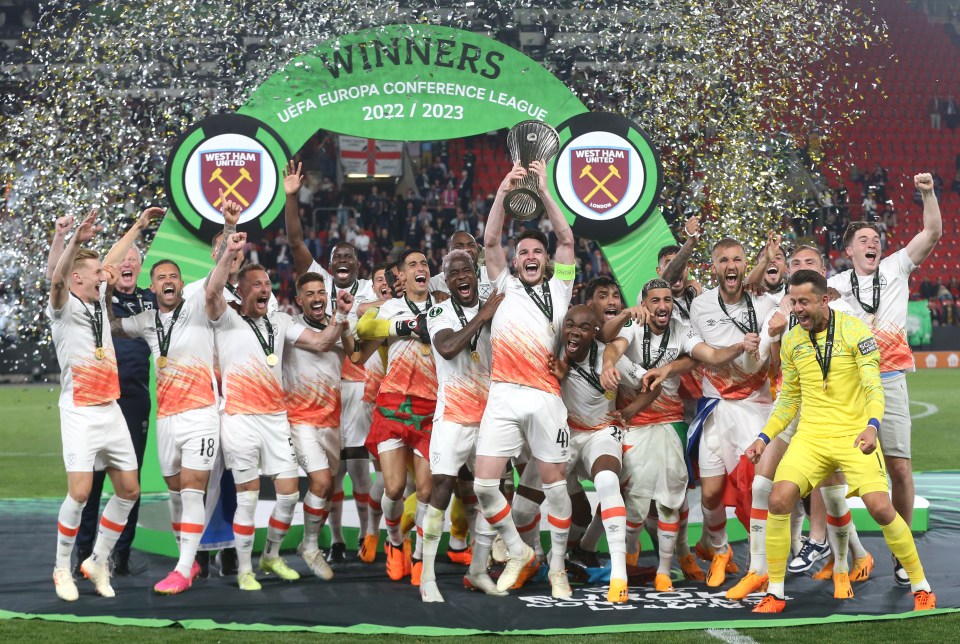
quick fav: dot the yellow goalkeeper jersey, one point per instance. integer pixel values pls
(854, 393)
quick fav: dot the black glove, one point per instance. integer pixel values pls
(421, 329)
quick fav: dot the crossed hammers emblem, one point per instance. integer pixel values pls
(600, 184)
(231, 188)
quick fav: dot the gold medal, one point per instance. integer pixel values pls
(272, 360)
(100, 353)
(475, 356)
(424, 349)
(161, 362)
(609, 395)
(824, 385)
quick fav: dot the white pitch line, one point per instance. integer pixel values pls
(730, 636)
(929, 409)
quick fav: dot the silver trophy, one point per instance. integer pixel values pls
(529, 141)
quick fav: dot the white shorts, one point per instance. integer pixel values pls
(317, 448)
(654, 467)
(250, 440)
(452, 446)
(355, 414)
(396, 443)
(95, 438)
(728, 432)
(587, 447)
(516, 414)
(190, 439)
(895, 424)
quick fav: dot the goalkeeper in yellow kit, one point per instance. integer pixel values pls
(830, 364)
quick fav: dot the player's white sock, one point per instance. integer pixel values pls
(762, 486)
(497, 512)
(667, 529)
(315, 511)
(613, 515)
(432, 531)
(335, 518)
(68, 524)
(797, 516)
(715, 521)
(392, 511)
(594, 531)
(558, 516)
(651, 523)
(856, 548)
(244, 529)
(191, 529)
(279, 525)
(175, 504)
(359, 471)
(482, 544)
(526, 516)
(376, 507)
(683, 546)
(471, 510)
(112, 522)
(633, 536)
(838, 524)
(418, 521)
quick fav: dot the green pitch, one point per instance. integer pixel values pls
(32, 467)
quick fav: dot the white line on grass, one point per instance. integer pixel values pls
(929, 409)
(730, 636)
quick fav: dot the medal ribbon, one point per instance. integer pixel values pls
(163, 337)
(96, 321)
(413, 307)
(546, 304)
(268, 345)
(647, 333)
(823, 359)
(751, 315)
(463, 321)
(591, 377)
(855, 286)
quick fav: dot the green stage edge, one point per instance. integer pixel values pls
(433, 631)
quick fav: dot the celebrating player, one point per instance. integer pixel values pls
(835, 386)
(524, 406)
(92, 428)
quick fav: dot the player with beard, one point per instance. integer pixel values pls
(405, 404)
(256, 431)
(460, 334)
(311, 385)
(836, 389)
(595, 432)
(832, 489)
(188, 423)
(94, 434)
(466, 242)
(878, 290)
(524, 406)
(344, 266)
(654, 463)
(738, 400)
(770, 269)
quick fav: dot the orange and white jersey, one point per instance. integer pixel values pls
(250, 385)
(668, 406)
(373, 372)
(311, 384)
(588, 410)
(85, 381)
(523, 338)
(187, 381)
(464, 384)
(409, 371)
(745, 378)
(889, 322)
(361, 290)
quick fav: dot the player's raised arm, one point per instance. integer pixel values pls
(57, 244)
(496, 259)
(216, 303)
(231, 216)
(60, 285)
(755, 276)
(565, 254)
(116, 324)
(292, 180)
(610, 375)
(119, 250)
(674, 269)
(920, 246)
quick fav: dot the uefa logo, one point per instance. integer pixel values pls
(227, 156)
(607, 174)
